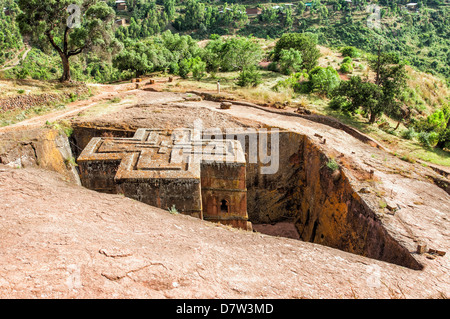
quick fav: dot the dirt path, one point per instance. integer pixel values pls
(17, 59)
(105, 93)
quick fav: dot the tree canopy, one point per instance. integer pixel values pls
(48, 24)
(233, 54)
(305, 43)
(375, 98)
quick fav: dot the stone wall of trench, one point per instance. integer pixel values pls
(47, 148)
(333, 214)
(275, 197)
(321, 203)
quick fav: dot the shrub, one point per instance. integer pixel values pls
(434, 122)
(338, 103)
(332, 165)
(296, 82)
(173, 210)
(350, 52)
(408, 158)
(324, 80)
(434, 130)
(428, 139)
(444, 139)
(273, 66)
(62, 126)
(346, 68)
(22, 73)
(433, 138)
(249, 77)
(347, 59)
(409, 134)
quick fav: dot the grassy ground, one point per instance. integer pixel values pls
(11, 88)
(16, 87)
(262, 94)
(16, 116)
(409, 150)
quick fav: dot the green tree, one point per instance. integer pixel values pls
(390, 77)
(288, 20)
(269, 15)
(249, 76)
(46, 21)
(381, 97)
(435, 125)
(323, 80)
(290, 61)
(10, 37)
(323, 12)
(184, 68)
(233, 54)
(233, 16)
(180, 46)
(350, 52)
(198, 67)
(305, 43)
(134, 59)
(301, 7)
(169, 8)
(194, 15)
(356, 93)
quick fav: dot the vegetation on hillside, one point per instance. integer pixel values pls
(10, 37)
(371, 73)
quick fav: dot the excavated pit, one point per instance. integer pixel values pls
(303, 199)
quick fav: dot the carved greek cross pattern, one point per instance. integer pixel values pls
(161, 154)
(171, 168)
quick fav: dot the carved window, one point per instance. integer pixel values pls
(224, 206)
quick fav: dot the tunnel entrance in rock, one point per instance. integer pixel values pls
(302, 200)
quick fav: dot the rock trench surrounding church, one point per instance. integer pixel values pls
(322, 205)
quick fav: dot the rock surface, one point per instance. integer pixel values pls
(59, 240)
